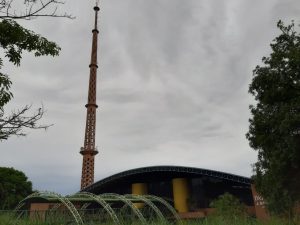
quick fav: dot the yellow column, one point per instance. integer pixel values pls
(180, 194)
(139, 189)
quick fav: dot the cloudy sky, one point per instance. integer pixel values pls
(173, 83)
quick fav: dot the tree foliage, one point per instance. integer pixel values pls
(14, 186)
(275, 124)
(5, 94)
(14, 39)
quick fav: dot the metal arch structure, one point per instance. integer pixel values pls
(55, 207)
(84, 206)
(60, 198)
(85, 199)
(127, 202)
(166, 204)
(22, 203)
(149, 203)
(33, 195)
(100, 201)
(19, 206)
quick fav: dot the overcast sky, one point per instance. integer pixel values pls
(173, 83)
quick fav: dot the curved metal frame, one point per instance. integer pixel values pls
(149, 203)
(103, 200)
(19, 206)
(62, 199)
(100, 201)
(127, 202)
(84, 206)
(166, 204)
(55, 207)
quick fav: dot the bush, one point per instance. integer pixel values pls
(229, 208)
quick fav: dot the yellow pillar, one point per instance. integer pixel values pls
(180, 194)
(139, 189)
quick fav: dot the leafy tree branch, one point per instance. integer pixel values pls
(14, 39)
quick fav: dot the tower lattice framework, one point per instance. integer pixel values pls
(88, 151)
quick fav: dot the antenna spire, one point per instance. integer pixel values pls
(96, 8)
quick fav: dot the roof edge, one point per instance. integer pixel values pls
(170, 168)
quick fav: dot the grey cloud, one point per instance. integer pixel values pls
(172, 87)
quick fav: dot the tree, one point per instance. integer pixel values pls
(14, 186)
(274, 129)
(13, 40)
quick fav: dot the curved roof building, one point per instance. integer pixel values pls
(187, 188)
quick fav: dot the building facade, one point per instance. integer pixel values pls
(187, 189)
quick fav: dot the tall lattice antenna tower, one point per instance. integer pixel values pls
(88, 151)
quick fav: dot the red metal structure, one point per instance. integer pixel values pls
(88, 151)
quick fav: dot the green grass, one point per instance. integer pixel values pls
(9, 219)
(251, 221)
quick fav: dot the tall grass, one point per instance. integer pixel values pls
(238, 221)
(10, 219)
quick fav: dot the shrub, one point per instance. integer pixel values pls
(229, 208)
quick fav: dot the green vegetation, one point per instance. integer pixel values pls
(249, 221)
(6, 219)
(275, 124)
(14, 39)
(229, 209)
(14, 187)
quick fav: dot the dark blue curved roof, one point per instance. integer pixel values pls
(144, 173)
